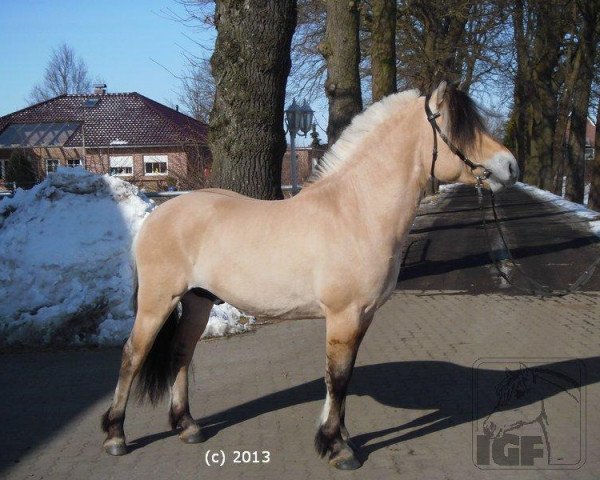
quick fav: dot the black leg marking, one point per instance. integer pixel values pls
(113, 426)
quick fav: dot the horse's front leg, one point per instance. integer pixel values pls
(345, 331)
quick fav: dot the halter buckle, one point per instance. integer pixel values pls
(432, 116)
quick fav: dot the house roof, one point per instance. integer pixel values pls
(109, 119)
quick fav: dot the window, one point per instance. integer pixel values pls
(121, 165)
(3, 163)
(37, 134)
(589, 152)
(74, 162)
(51, 165)
(90, 102)
(155, 164)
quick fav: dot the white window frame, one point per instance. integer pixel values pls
(48, 160)
(80, 164)
(3, 162)
(120, 161)
(156, 159)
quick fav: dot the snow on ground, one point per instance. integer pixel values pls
(590, 215)
(448, 187)
(66, 271)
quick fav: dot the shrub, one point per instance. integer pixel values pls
(20, 170)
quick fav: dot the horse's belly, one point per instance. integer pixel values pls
(273, 304)
(264, 294)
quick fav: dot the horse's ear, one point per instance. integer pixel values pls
(438, 95)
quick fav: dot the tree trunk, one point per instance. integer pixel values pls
(539, 28)
(341, 50)
(559, 146)
(250, 64)
(594, 199)
(521, 121)
(575, 166)
(383, 48)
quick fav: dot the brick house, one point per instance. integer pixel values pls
(123, 134)
(307, 158)
(590, 139)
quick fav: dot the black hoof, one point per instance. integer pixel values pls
(346, 463)
(196, 437)
(115, 449)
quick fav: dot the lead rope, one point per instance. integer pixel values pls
(536, 288)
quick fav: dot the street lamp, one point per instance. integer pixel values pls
(298, 121)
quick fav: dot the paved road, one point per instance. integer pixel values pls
(411, 404)
(449, 250)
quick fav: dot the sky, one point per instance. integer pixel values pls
(131, 45)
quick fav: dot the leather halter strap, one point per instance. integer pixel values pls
(431, 118)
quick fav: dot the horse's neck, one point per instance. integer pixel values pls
(382, 185)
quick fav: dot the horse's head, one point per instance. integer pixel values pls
(465, 149)
(518, 402)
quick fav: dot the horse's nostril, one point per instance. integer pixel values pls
(510, 168)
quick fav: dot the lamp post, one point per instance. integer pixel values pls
(298, 121)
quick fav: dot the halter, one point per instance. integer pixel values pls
(431, 117)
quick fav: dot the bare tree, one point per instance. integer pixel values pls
(589, 18)
(65, 73)
(308, 72)
(197, 92)
(540, 27)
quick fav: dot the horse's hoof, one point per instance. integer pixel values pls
(115, 447)
(346, 463)
(193, 436)
(345, 459)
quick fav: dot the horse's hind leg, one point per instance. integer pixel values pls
(196, 311)
(344, 334)
(154, 308)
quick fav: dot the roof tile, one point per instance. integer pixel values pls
(115, 119)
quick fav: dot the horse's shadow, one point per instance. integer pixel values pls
(444, 387)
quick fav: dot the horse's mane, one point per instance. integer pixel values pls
(513, 379)
(362, 125)
(464, 120)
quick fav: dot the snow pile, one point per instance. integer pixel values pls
(225, 319)
(66, 272)
(591, 216)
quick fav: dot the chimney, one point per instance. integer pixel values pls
(100, 89)
(177, 107)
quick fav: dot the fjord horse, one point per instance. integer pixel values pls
(333, 251)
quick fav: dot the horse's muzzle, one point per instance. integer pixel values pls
(505, 171)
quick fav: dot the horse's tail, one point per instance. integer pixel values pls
(157, 371)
